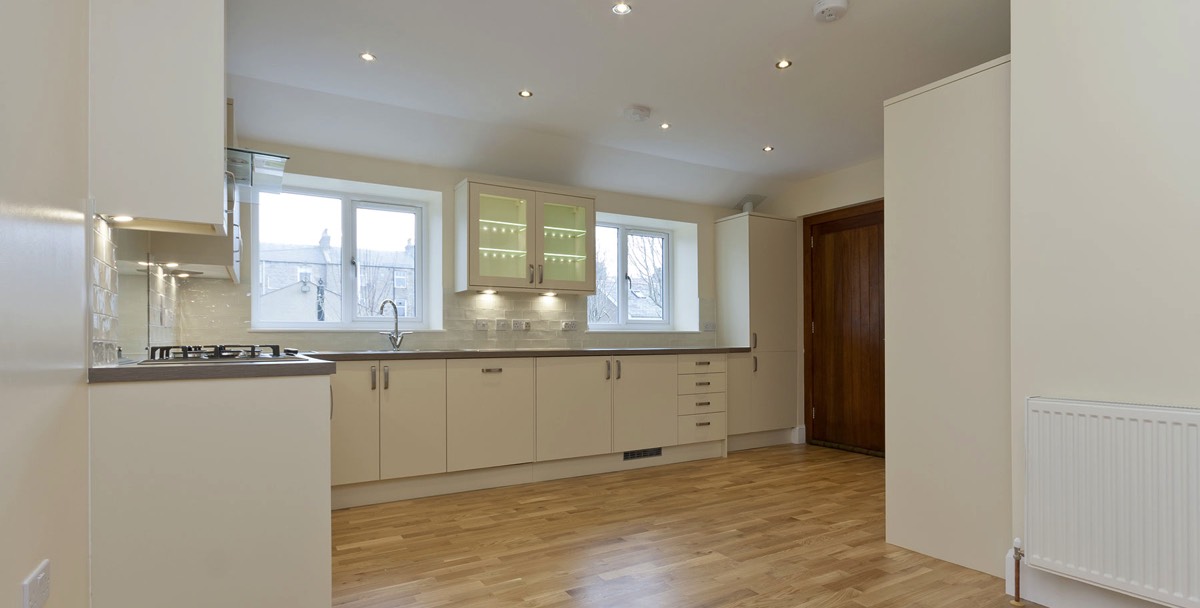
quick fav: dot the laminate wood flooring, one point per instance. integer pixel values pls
(786, 527)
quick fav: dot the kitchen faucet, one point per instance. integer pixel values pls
(396, 336)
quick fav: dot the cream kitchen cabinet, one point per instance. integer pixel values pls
(762, 392)
(489, 412)
(157, 113)
(645, 402)
(388, 420)
(208, 254)
(516, 239)
(574, 407)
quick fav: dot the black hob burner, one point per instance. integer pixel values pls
(215, 353)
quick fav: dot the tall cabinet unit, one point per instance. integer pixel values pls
(514, 239)
(757, 274)
(157, 113)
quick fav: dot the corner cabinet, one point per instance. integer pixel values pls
(514, 239)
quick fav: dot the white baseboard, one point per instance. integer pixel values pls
(762, 439)
(391, 490)
(1055, 591)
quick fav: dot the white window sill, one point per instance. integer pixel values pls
(340, 330)
(643, 331)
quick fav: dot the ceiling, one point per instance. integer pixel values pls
(444, 88)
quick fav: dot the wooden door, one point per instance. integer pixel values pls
(644, 402)
(354, 427)
(412, 418)
(574, 407)
(844, 317)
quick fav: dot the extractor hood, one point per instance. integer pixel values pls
(255, 171)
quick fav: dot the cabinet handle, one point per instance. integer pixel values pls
(703, 403)
(755, 363)
(331, 402)
(492, 370)
(618, 369)
(386, 377)
(703, 423)
(754, 340)
(374, 376)
(704, 363)
(608, 370)
(531, 274)
(703, 383)
(541, 274)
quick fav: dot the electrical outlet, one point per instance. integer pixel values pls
(36, 587)
(710, 326)
(481, 324)
(501, 324)
(521, 325)
(570, 325)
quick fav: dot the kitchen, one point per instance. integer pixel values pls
(47, 420)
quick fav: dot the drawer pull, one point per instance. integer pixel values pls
(703, 423)
(703, 383)
(704, 363)
(492, 370)
(702, 403)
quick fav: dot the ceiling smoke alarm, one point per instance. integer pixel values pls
(830, 10)
(636, 113)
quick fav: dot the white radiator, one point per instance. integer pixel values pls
(1112, 496)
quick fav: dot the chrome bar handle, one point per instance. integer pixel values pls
(331, 402)
(703, 383)
(492, 370)
(703, 423)
(754, 340)
(704, 363)
(755, 363)
(531, 274)
(541, 274)
(374, 377)
(386, 377)
(608, 370)
(618, 369)
(703, 403)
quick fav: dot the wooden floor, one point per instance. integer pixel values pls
(788, 526)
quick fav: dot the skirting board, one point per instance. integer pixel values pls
(391, 490)
(749, 441)
(1055, 591)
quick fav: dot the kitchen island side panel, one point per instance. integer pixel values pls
(211, 493)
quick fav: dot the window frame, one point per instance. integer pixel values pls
(350, 203)
(625, 323)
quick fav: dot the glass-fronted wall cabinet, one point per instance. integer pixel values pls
(513, 239)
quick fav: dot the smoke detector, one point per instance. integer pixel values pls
(636, 113)
(830, 10)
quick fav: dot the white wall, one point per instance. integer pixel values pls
(43, 398)
(1105, 206)
(947, 290)
(850, 186)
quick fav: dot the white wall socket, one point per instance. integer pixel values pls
(521, 325)
(570, 325)
(501, 324)
(709, 326)
(481, 324)
(36, 586)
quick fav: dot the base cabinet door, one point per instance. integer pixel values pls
(645, 403)
(773, 390)
(574, 407)
(740, 407)
(412, 418)
(354, 426)
(489, 413)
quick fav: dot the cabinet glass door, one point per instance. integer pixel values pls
(502, 252)
(567, 243)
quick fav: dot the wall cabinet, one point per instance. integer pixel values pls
(757, 281)
(489, 412)
(157, 113)
(574, 407)
(388, 420)
(522, 240)
(645, 402)
(208, 254)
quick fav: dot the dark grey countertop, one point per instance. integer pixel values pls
(371, 355)
(210, 371)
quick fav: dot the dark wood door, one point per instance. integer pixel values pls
(844, 306)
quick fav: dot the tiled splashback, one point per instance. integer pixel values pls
(216, 311)
(103, 294)
(162, 303)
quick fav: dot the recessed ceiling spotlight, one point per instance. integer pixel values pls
(122, 218)
(664, 126)
(182, 275)
(525, 93)
(368, 57)
(768, 148)
(171, 264)
(622, 8)
(783, 64)
(488, 292)
(549, 294)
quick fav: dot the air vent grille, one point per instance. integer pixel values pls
(647, 453)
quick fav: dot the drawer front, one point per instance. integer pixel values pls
(701, 364)
(701, 403)
(690, 384)
(701, 427)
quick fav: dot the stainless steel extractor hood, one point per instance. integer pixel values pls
(255, 171)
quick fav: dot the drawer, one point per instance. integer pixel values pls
(701, 364)
(691, 384)
(701, 427)
(701, 403)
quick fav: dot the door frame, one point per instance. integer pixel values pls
(806, 235)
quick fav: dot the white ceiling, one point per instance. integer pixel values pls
(443, 91)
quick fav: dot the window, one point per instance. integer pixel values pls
(632, 280)
(328, 261)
